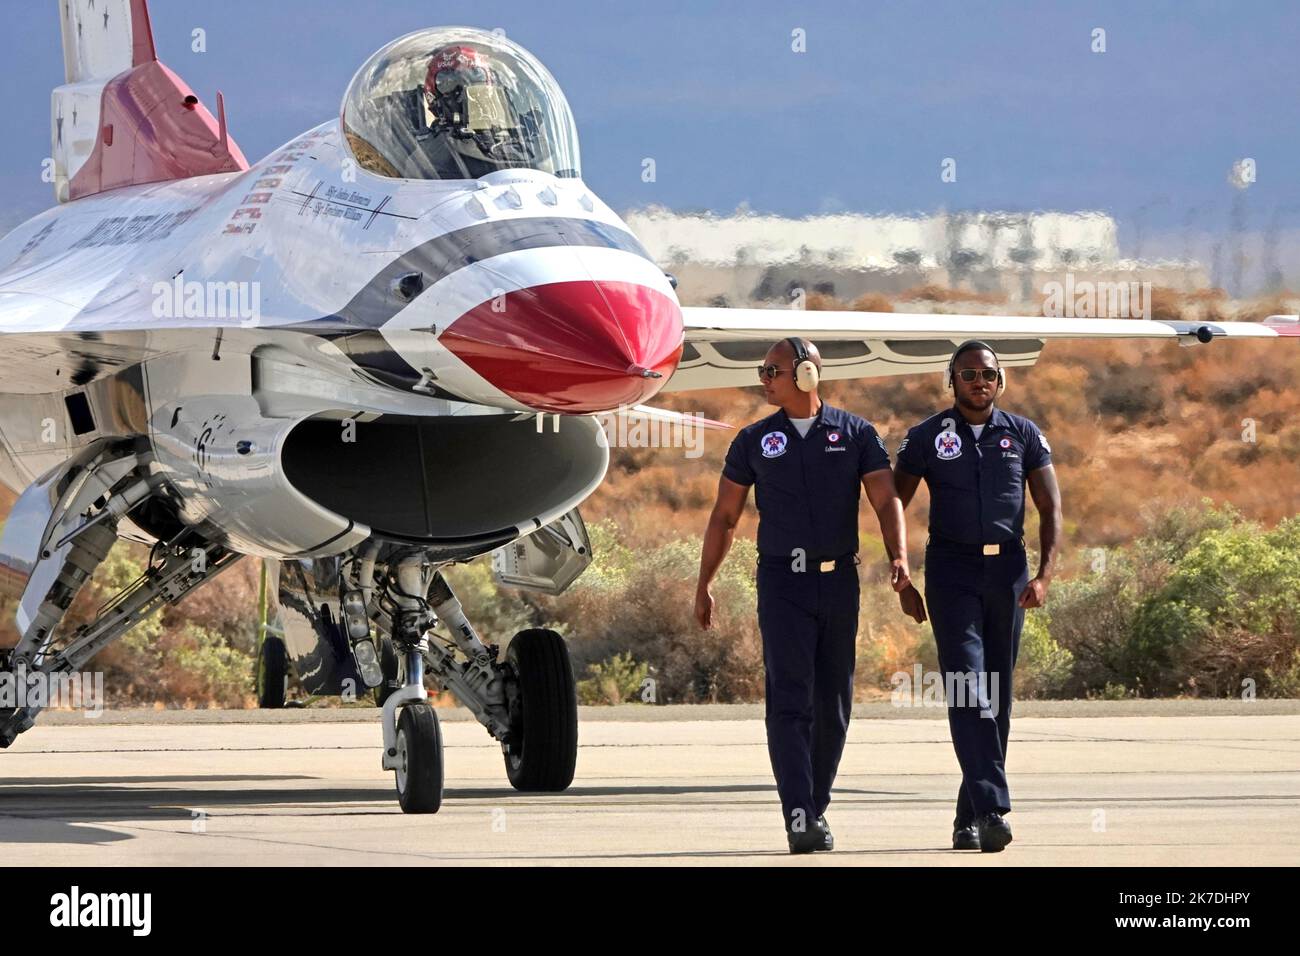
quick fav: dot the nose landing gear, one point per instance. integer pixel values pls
(528, 701)
(413, 741)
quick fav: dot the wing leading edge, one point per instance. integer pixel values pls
(724, 345)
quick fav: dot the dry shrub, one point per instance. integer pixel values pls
(643, 601)
(822, 302)
(1166, 304)
(938, 293)
(1260, 309)
(872, 302)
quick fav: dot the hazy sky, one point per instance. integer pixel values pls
(861, 121)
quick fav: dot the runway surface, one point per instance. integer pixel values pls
(1184, 784)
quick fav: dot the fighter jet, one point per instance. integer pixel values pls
(335, 360)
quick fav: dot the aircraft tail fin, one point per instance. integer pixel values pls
(102, 38)
(122, 118)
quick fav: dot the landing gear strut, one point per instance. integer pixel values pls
(176, 568)
(527, 702)
(413, 740)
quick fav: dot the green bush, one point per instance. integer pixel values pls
(171, 657)
(636, 606)
(1200, 603)
(1226, 613)
(1043, 668)
(615, 681)
(1091, 617)
(644, 603)
(1284, 680)
(497, 613)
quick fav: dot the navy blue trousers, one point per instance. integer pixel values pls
(972, 602)
(809, 623)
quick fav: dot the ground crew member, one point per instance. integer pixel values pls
(975, 459)
(806, 463)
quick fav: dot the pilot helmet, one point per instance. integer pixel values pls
(472, 107)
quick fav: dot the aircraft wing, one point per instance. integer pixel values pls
(38, 356)
(724, 346)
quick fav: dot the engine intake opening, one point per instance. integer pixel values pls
(447, 478)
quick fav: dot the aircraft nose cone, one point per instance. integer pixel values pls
(577, 347)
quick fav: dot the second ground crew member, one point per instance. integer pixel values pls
(807, 463)
(976, 459)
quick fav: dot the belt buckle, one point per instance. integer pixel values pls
(827, 566)
(992, 549)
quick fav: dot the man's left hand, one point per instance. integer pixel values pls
(1034, 594)
(913, 605)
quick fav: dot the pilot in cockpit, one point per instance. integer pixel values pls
(465, 121)
(442, 104)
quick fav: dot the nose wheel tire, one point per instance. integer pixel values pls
(419, 759)
(543, 747)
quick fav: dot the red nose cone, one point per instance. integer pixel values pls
(577, 347)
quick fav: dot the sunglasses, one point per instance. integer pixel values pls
(770, 371)
(969, 374)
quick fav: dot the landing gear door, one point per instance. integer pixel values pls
(548, 560)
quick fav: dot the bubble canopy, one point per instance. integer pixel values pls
(458, 103)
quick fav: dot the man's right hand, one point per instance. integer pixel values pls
(704, 607)
(912, 604)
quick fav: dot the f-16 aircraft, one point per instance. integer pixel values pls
(334, 359)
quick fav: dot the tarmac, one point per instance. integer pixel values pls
(1174, 783)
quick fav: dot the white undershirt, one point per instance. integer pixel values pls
(802, 425)
(977, 429)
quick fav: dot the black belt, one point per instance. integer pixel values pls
(812, 564)
(983, 550)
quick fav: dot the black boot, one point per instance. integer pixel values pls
(965, 835)
(810, 840)
(829, 842)
(994, 832)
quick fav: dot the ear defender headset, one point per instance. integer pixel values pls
(971, 346)
(806, 374)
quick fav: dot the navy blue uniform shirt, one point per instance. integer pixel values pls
(807, 489)
(977, 488)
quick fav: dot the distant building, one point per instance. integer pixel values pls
(749, 259)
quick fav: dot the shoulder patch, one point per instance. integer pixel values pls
(773, 444)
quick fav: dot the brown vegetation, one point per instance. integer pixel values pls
(1138, 430)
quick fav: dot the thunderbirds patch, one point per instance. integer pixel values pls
(773, 444)
(948, 445)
